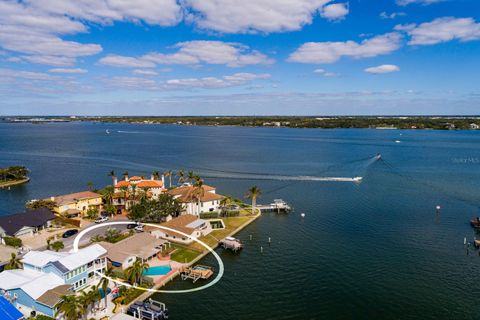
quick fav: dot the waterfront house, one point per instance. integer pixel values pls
(188, 224)
(76, 203)
(25, 224)
(190, 198)
(127, 191)
(141, 245)
(474, 126)
(47, 275)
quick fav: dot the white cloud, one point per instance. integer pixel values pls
(131, 82)
(423, 2)
(442, 30)
(392, 15)
(325, 73)
(210, 52)
(127, 62)
(56, 61)
(384, 68)
(194, 53)
(143, 72)
(330, 52)
(13, 74)
(335, 11)
(67, 70)
(215, 83)
(232, 16)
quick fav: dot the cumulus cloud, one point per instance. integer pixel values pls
(13, 74)
(393, 15)
(330, 52)
(423, 2)
(214, 82)
(232, 16)
(211, 52)
(442, 30)
(194, 53)
(384, 68)
(125, 62)
(143, 72)
(68, 70)
(335, 11)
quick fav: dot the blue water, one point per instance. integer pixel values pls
(374, 250)
(157, 271)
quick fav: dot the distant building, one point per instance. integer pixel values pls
(188, 224)
(141, 245)
(474, 126)
(190, 198)
(25, 224)
(78, 203)
(47, 275)
(128, 190)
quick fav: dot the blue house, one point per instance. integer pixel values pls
(48, 275)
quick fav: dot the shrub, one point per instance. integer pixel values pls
(209, 215)
(42, 317)
(13, 242)
(57, 246)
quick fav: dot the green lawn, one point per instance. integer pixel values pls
(183, 254)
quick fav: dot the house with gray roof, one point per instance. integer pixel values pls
(25, 223)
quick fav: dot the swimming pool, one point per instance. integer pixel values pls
(157, 271)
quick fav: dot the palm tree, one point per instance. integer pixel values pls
(125, 174)
(134, 273)
(254, 193)
(181, 176)
(104, 282)
(168, 174)
(198, 192)
(156, 175)
(87, 299)
(90, 185)
(111, 174)
(14, 262)
(124, 190)
(191, 176)
(68, 307)
(134, 189)
(107, 194)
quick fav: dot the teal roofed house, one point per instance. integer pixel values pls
(47, 275)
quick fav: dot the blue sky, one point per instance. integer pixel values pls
(249, 57)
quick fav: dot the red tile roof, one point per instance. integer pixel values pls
(135, 178)
(122, 183)
(150, 184)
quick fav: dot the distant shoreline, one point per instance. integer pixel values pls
(331, 122)
(13, 183)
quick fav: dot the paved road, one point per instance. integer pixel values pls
(68, 243)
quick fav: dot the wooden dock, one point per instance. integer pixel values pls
(197, 272)
(231, 244)
(278, 205)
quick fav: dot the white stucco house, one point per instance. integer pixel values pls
(187, 195)
(188, 224)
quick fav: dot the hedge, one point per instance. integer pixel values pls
(13, 242)
(209, 215)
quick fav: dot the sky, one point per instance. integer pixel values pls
(239, 57)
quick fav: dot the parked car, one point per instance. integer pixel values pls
(132, 225)
(69, 233)
(139, 228)
(101, 219)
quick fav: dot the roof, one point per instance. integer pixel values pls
(122, 183)
(135, 178)
(52, 297)
(62, 260)
(150, 184)
(8, 311)
(30, 218)
(42, 258)
(33, 283)
(185, 223)
(74, 197)
(140, 245)
(83, 256)
(187, 194)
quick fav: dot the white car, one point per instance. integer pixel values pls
(101, 219)
(139, 228)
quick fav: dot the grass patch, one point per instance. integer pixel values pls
(183, 254)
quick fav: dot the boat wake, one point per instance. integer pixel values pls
(285, 178)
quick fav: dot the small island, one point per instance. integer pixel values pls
(13, 176)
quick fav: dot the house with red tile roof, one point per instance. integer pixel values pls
(127, 191)
(195, 201)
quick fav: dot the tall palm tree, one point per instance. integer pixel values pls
(124, 190)
(125, 174)
(107, 194)
(168, 174)
(134, 189)
(254, 193)
(134, 273)
(198, 192)
(90, 186)
(156, 175)
(191, 177)
(88, 299)
(14, 262)
(105, 282)
(181, 176)
(69, 307)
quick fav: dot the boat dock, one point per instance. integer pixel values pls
(278, 205)
(196, 272)
(231, 243)
(148, 310)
